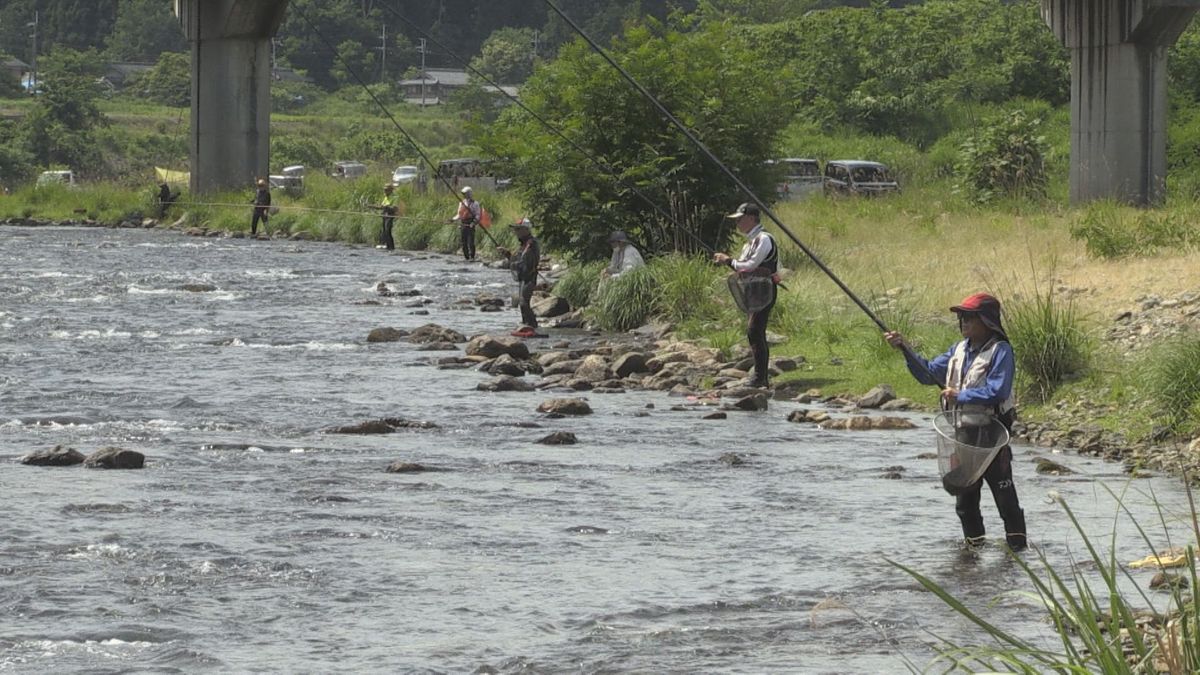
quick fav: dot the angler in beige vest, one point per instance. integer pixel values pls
(976, 376)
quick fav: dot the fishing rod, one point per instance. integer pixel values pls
(606, 168)
(309, 208)
(908, 352)
(417, 146)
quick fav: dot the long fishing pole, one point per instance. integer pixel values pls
(290, 207)
(608, 169)
(417, 146)
(908, 352)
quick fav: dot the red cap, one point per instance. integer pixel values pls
(976, 303)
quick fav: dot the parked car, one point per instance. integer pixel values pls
(476, 173)
(64, 177)
(405, 174)
(858, 177)
(290, 179)
(799, 177)
(348, 169)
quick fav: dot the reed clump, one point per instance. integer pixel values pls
(1102, 627)
(1172, 381)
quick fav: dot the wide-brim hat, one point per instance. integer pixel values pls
(987, 307)
(522, 223)
(466, 190)
(618, 236)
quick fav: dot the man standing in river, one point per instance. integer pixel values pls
(390, 206)
(524, 267)
(469, 213)
(262, 207)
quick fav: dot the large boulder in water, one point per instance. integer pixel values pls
(386, 334)
(490, 346)
(593, 368)
(382, 426)
(505, 383)
(628, 364)
(115, 458)
(877, 396)
(550, 306)
(431, 332)
(566, 406)
(59, 455)
(507, 365)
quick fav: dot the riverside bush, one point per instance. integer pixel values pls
(1007, 159)
(1172, 381)
(685, 287)
(578, 286)
(1107, 232)
(624, 303)
(1049, 340)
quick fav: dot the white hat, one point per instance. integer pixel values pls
(523, 222)
(466, 190)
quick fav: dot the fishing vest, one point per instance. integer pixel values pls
(770, 265)
(976, 376)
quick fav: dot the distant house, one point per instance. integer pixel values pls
(118, 75)
(289, 75)
(17, 67)
(435, 85)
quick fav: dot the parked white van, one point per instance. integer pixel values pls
(66, 177)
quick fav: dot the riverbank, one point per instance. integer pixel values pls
(1128, 309)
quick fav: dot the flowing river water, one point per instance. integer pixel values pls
(256, 541)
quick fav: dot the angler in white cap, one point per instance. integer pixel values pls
(755, 275)
(469, 213)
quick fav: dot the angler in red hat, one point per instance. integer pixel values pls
(976, 376)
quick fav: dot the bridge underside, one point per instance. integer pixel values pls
(231, 89)
(1118, 93)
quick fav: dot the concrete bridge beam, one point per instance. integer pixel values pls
(1118, 93)
(231, 88)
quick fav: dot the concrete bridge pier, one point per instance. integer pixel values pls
(1118, 93)
(231, 89)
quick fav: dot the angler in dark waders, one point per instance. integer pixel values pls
(753, 283)
(977, 378)
(524, 267)
(262, 207)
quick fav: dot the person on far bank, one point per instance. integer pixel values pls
(262, 207)
(976, 375)
(524, 267)
(469, 213)
(759, 258)
(390, 206)
(165, 199)
(625, 257)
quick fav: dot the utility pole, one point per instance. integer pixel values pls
(537, 40)
(33, 80)
(383, 53)
(421, 49)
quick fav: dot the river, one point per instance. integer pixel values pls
(255, 541)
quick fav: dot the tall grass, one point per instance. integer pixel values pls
(1100, 626)
(685, 287)
(1049, 339)
(578, 286)
(624, 303)
(1172, 381)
